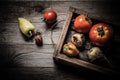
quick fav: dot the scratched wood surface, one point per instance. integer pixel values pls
(23, 60)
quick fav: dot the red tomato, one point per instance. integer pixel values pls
(100, 34)
(50, 16)
(82, 23)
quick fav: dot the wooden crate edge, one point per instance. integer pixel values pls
(64, 30)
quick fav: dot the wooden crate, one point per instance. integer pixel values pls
(66, 33)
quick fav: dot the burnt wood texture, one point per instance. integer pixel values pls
(22, 59)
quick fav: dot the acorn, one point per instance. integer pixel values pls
(38, 39)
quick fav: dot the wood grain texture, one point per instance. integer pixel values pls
(15, 36)
(57, 73)
(27, 9)
(23, 60)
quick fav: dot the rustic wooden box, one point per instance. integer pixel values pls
(65, 37)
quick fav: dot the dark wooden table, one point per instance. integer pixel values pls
(23, 60)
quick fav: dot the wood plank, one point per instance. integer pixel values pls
(24, 9)
(56, 0)
(85, 65)
(9, 33)
(58, 73)
(38, 18)
(26, 55)
(28, 9)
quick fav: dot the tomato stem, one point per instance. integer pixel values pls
(88, 19)
(101, 32)
(66, 48)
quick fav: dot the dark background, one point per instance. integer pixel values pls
(23, 60)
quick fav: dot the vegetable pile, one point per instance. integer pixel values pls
(99, 34)
(28, 29)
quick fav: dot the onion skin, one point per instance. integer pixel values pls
(94, 53)
(38, 39)
(78, 39)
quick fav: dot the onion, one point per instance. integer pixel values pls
(38, 39)
(78, 39)
(94, 53)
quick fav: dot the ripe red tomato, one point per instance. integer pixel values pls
(50, 16)
(82, 23)
(100, 34)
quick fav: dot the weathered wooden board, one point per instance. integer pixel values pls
(39, 65)
(42, 73)
(28, 55)
(15, 35)
(12, 10)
